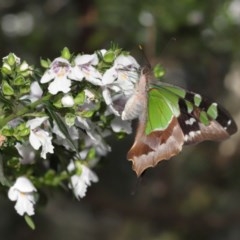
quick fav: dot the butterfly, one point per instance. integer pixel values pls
(170, 117)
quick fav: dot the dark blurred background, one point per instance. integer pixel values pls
(196, 195)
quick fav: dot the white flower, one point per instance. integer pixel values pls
(67, 101)
(26, 152)
(39, 137)
(119, 82)
(94, 140)
(85, 68)
(23, 193)
(61, 139)
(80, 182)
(35, 91)
(118, 125)
(122, 74)
(59, 70)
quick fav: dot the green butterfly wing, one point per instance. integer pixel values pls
(162, 107)
(194, 113)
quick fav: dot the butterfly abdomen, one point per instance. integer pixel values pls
(137, 104)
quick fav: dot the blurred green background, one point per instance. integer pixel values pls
(196, 195)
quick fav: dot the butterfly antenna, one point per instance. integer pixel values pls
(148, 64)
(170, 41)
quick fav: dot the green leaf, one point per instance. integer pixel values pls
(11, 59)
(87, 114)
(91, 154)
(29, 221)
(159, 71)
(7, 131)
(5, 101)
(45, 63)
(66, 53)
(24, 90)
(6, 69)
(18, 81)
(80, 98)
(7, 89)
(109, 56)
(60, 123)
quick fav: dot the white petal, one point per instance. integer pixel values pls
(47, 76)
(92, 75)
(76, 74)
(34, 140)
(13, 194)
(79, 183)
(40, 138)
(71, 166)
(83, 123)
(88, 175)
(26, 152)
(86, 59)
(36, 90)
(23, 184)
(36, 122)
(58, 61)
(118, 125)
(107, 96)
(79, 187)
(114, 110)
(109, 76)
(59, 84)
(123, 61)
(103, 51)
(47, 146)
(24, 205)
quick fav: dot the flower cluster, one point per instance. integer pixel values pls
(61, 115)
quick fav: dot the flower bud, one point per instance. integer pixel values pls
(65, 53)
(67, 101)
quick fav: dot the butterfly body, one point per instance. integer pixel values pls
(170, 117)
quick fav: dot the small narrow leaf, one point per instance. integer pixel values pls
(80, 98)
(60, 123)
(29, 222)
(66, 53)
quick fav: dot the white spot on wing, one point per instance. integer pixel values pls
(191, 135)
(190, 121)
